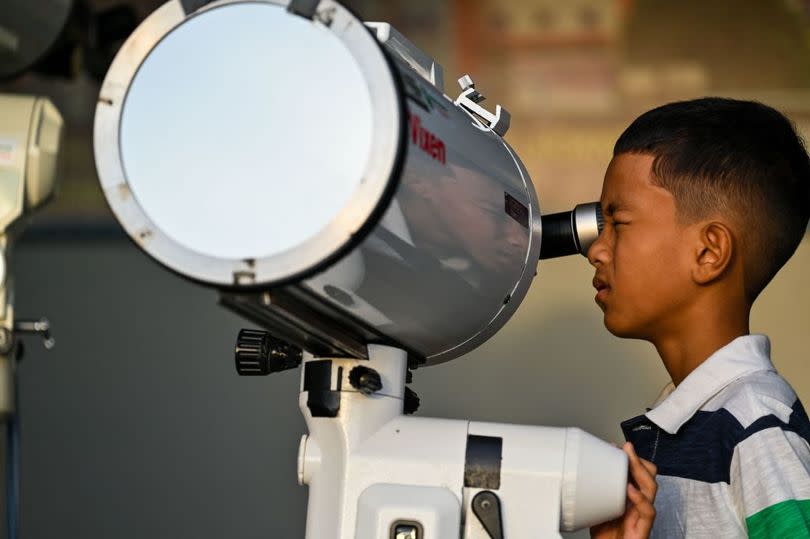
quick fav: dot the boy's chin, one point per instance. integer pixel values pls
(622, 328)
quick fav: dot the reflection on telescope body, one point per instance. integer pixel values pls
(464, 226)
(446, 245)
(463, 243)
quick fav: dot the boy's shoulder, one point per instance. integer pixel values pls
(749, 412)
(732, 446)
(759, 400)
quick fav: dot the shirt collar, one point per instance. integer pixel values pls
(742, 356)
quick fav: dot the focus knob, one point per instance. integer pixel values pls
(365, 380)
(258, 353)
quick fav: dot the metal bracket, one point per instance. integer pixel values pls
(469, 99)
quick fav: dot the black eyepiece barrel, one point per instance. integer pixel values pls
(559, 236)
(571, 232)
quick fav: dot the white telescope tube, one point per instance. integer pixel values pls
(316, 174)
(251, 148)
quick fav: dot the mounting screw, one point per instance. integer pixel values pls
(466, 82)
(365, 380)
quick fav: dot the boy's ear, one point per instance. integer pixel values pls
(714, 252)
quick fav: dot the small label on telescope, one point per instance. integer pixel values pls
(516, 210)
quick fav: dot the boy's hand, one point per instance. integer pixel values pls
(638, 517)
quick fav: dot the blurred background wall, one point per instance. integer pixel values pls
(136, 424)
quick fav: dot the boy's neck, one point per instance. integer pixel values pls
(682, 351)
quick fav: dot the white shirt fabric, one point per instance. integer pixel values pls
(732, 446)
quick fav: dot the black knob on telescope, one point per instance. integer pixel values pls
(365, 380)
(411, 402)
(258, 353)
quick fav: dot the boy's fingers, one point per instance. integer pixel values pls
(643, 474)
(635, 495)
(646, 483)
(641, 503)
(630, 451)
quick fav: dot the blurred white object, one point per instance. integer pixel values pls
(30, 135)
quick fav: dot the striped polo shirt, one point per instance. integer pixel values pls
(731, 447)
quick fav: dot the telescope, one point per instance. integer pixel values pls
(310, 167)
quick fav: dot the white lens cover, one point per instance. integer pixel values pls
(250, 140)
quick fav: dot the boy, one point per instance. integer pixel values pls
(704, 201)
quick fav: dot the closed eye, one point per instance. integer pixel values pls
(619, 225)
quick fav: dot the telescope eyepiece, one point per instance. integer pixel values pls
(571, 232)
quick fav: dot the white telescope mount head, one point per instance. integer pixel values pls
(376, 472)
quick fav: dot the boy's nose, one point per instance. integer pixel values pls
(598, 253)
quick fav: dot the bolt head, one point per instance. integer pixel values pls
(466, 82)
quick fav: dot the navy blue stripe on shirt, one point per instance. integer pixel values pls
(798, 423)
(703, 447)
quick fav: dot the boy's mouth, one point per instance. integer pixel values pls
(602, 289)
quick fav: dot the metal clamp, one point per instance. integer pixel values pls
(469, 99)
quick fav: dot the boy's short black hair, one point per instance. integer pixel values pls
(740, 159)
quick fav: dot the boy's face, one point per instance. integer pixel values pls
(641, 259)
